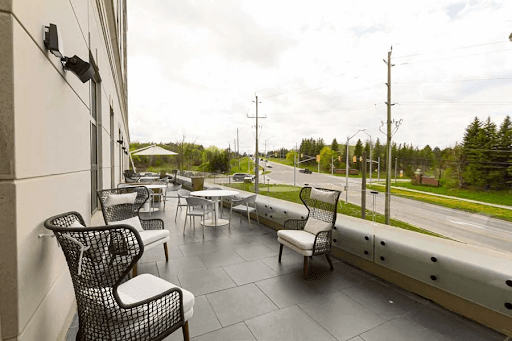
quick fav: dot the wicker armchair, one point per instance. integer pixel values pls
(312, 236)
(131, 176)
(110, 308)
(122, 205)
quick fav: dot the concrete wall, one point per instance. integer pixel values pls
(45, 152)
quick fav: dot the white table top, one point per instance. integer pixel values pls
(145, 185)
(214, 193)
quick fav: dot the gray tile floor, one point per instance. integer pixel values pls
(243, 293)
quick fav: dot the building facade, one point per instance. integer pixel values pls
(60, 141)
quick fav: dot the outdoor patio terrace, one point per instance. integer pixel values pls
(243, 293)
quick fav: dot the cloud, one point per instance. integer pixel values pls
(194, 68)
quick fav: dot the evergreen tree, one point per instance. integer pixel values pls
(504, 145)
(334, 146)
(471, 149)
(358, 152)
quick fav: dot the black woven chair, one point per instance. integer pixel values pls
(312, 236)
(110, 308)
(117, 207)
(131, 176)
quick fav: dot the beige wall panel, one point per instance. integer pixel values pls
(40, 260)
(106, 179)
(105, 153)
(44, 105)
(8, 269)
(5, 5)
(80, 9)
(6, 98)
(51, 315)
(34, 15)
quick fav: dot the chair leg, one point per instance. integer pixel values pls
(134, 270)
(166, 252)
(230, 211)
(280, 252)
(249, 219)
(257, 216)
(306, 261)
(177, 206)
(328, 256)
(186, 337)
(185, 221)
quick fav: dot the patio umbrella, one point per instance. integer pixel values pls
(151, 150)
(154, 150)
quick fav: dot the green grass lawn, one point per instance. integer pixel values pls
(291, 193)
(490, 211)
(493, 197)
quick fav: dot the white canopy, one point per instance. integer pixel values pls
(155, 150)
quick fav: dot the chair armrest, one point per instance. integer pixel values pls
(152, 224)
(323, 243)
(166, 311)
(294, 224)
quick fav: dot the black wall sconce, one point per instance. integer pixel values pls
(83, 70)
(120, 141)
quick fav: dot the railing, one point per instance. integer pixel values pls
(470, 280)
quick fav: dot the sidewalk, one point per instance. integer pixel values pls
(449, 197)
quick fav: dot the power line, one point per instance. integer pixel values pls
(454, 80)
(452, 57)
(452, 49)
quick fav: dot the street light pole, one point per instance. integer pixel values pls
(347, 168)
(371, 160)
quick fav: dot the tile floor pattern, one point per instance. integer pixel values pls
(243, 293)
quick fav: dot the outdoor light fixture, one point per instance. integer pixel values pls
(51, 40)
(83, 70)
(120, 141)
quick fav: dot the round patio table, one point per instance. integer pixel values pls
(215, 194)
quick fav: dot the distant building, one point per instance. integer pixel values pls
(58, 145)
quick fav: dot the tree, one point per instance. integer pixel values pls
(504, 145)
(334, 146)
(326, 155)
(291, 156)
(358, 152)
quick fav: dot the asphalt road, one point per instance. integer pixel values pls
(466, 227)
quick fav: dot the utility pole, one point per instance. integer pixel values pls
(257, 157)
(238, 148)
(388, 156)
(363, 189)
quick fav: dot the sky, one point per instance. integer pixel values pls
(317, 67)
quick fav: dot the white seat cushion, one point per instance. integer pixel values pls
(119, 199)
(146, 286)
(314, 226)
(301, 239)
(151, 236)
(133, 221)
(325, 196)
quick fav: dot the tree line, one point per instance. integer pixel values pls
(483, 160)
